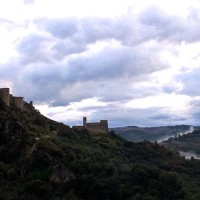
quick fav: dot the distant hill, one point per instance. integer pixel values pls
(188, 144)
(136, 134)
(41, 159)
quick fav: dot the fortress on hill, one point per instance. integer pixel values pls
(94, 127)
(18, 102)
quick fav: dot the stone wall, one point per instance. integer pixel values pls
(94, 128)
(4, 95)
(18, 102)
(98, 127)
(28, 107)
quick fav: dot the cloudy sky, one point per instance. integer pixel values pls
(133, 62)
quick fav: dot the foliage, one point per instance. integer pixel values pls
(47, 160)
(186, 143)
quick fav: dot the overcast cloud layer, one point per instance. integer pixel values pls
(131, 62)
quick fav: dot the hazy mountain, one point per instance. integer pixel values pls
(134, 133)
(41, 159)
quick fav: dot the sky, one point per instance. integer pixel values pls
(132, 62)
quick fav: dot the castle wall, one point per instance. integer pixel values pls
(94, 128)
(19, 102)
(97, 128)
(104, 124)
(28, 107)
(4, 95)
(12, 100)
(79, 128)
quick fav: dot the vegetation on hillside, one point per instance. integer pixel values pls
(41, 159)
(186, 143)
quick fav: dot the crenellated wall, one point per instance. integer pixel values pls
(18, 102)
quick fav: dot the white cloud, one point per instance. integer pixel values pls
(103, 59)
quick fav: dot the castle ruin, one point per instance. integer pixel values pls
(94, 128)
(5, 95)
(18, 102)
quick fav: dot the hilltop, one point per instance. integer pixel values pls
(43, 159)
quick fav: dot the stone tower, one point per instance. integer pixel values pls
(5, 95)
(85, 122)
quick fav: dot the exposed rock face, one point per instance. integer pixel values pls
(11, 129)
(61, 174)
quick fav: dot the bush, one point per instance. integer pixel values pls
(38, 189)
(11, 174)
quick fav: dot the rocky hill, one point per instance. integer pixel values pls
(137, 134)
(41, 159)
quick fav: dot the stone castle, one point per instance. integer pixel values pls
(18, 102)
(94, 128)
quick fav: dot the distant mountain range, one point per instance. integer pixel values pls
(159, 134)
